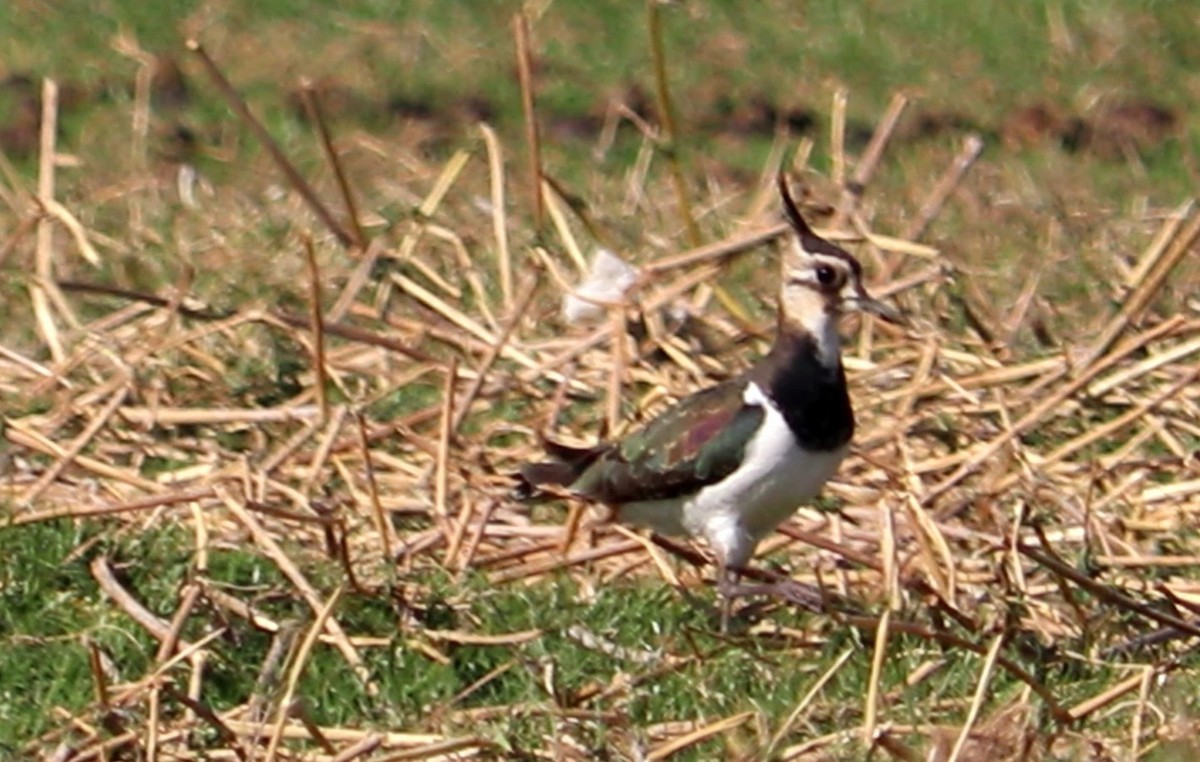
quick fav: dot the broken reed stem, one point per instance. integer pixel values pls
(463, 407)
(932, 206)
(312, 106)
(99, 677)
(445, 436)
(143, 84)
(1106, 697)
(543, 566)
(172, 416)
(294, 178)
(669, 140)
(82, 513)
(85, 437)
(1143, 699)
(837, 137)
(358, 279)
(187, 602)
(44, 247)
(575, 510)
(946, 639)
(299, 662)
(25, 225)
(318, 326)
(670, 748)
(889, 568)
(445, 181)
(170, 303)
(495, 154)
(529, 109)
(785, 729)
(579, 207)
(554, 207)
(718, 250)
(267, 543)
(459, 318)
(152, 723)
(359, 750)
(1106, 592)
(1139, 298)
(362, 335)
(290, 319)
(383, 527)
(106, 579)
(853, 191)
(1050, 403)
(301, 710)
(191, 594)
(871, 708)
(320, 456)
(73, 226)
(455, 540)
(612, 419)
(981, 692)
(1166, 233)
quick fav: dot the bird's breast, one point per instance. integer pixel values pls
(776, 475)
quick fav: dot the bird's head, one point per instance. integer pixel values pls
(821, 280)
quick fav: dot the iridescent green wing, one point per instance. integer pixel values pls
(699, 441)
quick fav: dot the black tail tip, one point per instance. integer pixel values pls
(523, 491)
(532, 476)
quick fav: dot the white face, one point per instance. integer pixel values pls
(818, 283)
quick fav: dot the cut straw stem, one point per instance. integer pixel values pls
(318, 327)
(669, 140)
(294, 178)
(529, 110)
(312, 106)
(44, 249)
(499, 225)
(1141, 295)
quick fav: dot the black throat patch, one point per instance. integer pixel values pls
(811, 396)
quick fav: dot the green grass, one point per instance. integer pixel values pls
(43, 613)
(981, 59)
(1041, 211)
(52, 607)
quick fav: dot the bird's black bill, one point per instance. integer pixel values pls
(879, 309)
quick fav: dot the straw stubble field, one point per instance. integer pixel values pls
(281, 528)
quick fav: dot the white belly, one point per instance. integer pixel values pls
(775, 477)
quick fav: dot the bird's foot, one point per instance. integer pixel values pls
(799, 594)
(785, 590)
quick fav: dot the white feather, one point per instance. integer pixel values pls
(607, 282)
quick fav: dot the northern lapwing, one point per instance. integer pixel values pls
(732, 462)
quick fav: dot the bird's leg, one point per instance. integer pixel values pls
(727, 586)
(733, 551)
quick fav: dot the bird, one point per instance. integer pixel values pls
(733, 461)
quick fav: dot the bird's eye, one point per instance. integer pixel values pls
(826, 275)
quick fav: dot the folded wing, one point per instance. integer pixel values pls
(694, 444)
